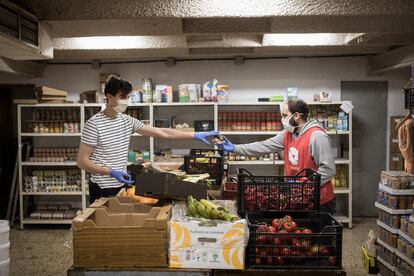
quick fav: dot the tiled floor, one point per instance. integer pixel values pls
(47, 251)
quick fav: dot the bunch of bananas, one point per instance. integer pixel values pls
(208, 210)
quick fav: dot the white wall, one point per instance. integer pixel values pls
(255, 78)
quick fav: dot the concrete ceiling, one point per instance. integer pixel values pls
(217, 28)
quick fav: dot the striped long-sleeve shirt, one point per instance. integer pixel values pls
(110, 139)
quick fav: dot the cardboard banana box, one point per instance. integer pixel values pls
(209, 244)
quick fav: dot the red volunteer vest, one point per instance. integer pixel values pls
(298, 157)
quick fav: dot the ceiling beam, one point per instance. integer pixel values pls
(25, 68)
(352, 23)
(195, 26)
(116, 27)
(107, 9)
(397, 58)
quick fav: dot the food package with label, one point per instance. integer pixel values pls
(390, 220)
(388, 237)
(223, 93)
(398, 180)
(395, 201)
(204, 243)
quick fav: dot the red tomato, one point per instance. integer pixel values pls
(286, 251)
(260, 239)
(297, 242)
(258, 261)
(276, 223)
(277, 241)
(279, 260)
(269, 260)
(306, 231)
(282, 238)
(331, 260)
(297, 231)
(262, 228)
(290, 226)
(324, 250)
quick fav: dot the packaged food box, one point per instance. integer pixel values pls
(388, 237)
(404, 268)
(387, 255)
(384, 271)
(390, 220)
(407, 226)
(395, 201)
(397, 179)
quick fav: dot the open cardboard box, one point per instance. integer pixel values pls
(121, 204)
(116, 234)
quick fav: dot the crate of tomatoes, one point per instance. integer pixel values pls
(305, 241)
(272, 194)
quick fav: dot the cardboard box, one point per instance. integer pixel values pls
(116, 234)
(122, 204)
(207, 244)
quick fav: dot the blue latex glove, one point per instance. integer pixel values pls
(202, 136)
(121, 176)
(226, 145)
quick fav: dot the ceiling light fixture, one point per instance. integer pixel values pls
(305, 39)
(117, 42)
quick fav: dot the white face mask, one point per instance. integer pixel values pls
(287, 126)
(121, 106)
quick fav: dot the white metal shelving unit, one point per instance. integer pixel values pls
(44, 164)
(151, 106)
(25, 164)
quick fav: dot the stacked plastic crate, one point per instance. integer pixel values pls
(286, 229)
(396, 223)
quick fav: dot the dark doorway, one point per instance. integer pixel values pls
(8, 136)
(369, 140)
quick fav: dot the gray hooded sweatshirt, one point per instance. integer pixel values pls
(319, 147)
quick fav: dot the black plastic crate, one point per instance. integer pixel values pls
(278, 193)
(409, 98)
(203, 151)
(199, 164)
(321, 249)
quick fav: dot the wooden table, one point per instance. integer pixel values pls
(197, 272)
(279, 272)
(137, 272)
